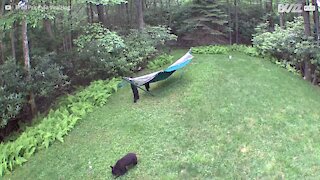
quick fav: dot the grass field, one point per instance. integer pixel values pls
(244, 118)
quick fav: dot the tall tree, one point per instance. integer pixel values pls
(101, 14)
(27, 64)
(317, 36)
(236, 20)
(13, 40)
(269, 8)
(2, 46)
(229, 22)
(316, 21)
(139, 14)
(307, 32)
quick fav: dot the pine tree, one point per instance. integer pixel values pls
(206, 15)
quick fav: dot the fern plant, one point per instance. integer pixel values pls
(213, 49)
(160, 61)
(56, 124)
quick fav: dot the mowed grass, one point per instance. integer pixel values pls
(238, 119)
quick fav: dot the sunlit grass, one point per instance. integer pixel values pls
(244, 118)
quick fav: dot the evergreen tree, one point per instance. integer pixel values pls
(205, 15)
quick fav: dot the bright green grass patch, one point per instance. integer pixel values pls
(229, 119)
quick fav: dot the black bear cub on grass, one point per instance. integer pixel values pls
(124, 164)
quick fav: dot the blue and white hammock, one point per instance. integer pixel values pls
(163, 74)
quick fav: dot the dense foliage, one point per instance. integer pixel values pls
(46, 78)
(12, 91)
(160, 61)
(210, 50)
(216, 49)
(200, 19)
(290, 46)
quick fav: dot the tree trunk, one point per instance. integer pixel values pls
(88, 13)
(282, 21)
(317, 38)
(139, 14)
(315, 78)
(316, 21)
(2, 46)
(71, 25)
(48, 27)
(101, 14)
(91, 12)
(269, 8)
(229, 22)
(13, 40)
(236, 21)
(27, 65)
(127, 14)
(307, 32)
(106, 15)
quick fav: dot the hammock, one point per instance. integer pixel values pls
(161, 75)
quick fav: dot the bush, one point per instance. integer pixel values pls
(142, 45)
(13, 91)
(104, 54)
(210, 50)
(160, 61)
(55, 125)
(289, 45)
(104, 39)
(99, 54)
(282, 42)
(46, 76)
(248, 50)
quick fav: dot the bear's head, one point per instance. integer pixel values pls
(115, 171)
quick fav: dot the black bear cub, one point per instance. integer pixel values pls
(124, 164)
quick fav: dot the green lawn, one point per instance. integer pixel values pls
(244, 118)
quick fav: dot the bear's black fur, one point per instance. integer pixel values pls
(124, 164)
(135, 93)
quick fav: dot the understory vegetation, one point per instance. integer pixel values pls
(290, 47)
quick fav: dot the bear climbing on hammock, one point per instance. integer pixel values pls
(136, 92)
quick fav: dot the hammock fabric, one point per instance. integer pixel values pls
(163, 74)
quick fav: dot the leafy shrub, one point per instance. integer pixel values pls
(282, 42)
(139, 47)
(103, 53)
(46, 76)
(142, 45)
(104, 39)
(249, 50)
(12, 91)
(211, 50)
(99, 54)
(289, 45)
(287, 65)
(160, 61)
(55, 125)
